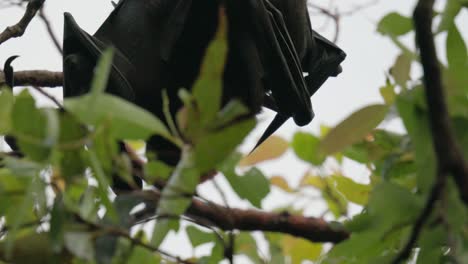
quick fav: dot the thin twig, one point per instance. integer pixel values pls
(49, 96)
(19, 28)
(48, 26)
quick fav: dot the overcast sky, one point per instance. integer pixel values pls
(369, 56)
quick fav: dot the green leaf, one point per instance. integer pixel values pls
(246, 245)
(6, 105)
(253, 185)
(457, 55)
(353, 128)
(208, 88)
(336, 202)
(354, 192)
(126, 120)
(31, 247)
(80, 244)
(215, 147)
(299, 249)
(416, 123)
(102, 71)
(431, 242)
(36, 129)
(157, 171)
(198, 237)
(305, 146)
(388, 93)
(103, 184)
(142, 255)
(451, 10)
(401, 70)
(391, 205)
(71, 140)
(273, 148)
(395, 24)
(176, 195)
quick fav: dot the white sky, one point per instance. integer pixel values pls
(369, 56)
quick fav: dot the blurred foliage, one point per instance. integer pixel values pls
(56, 204)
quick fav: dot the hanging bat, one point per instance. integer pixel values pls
(160, 44)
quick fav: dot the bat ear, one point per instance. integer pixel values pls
(83, 50)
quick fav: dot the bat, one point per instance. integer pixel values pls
(160, 45)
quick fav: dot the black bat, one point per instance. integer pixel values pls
(160, 44)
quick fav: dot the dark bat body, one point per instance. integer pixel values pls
(160, 45)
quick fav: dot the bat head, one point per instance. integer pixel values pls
(80, 54)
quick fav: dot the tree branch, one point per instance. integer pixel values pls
(38, 78)
(19, 28)
(449, 156)
(448, 153)
(310, 228)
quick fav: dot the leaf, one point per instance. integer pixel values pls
(336, 202)
(31, 246)
(71, 140)
(198, 237)
(300, 249)
(157, 171)
(401, 70)
(253, 185)
(126, 120)
(215, 147)
(457, 55)
(354, 192)
(305, 146)
(388, 93)
(451, 10)
(80, 244)
(176, 195)
(391, 205)
(395, 24)
(208, 87)
(103, 184)
(353, 128)
(36, 129)
(246, 245)
(142, 255)
(314, 181)
(416, 123)
(6, 105)
(281, 183)
(102, 71)
(273, 148)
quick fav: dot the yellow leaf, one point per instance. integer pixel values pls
(136, 145)
(272, 148)
(281, 183)
(309, 180)
(353, 129)
(300, 249)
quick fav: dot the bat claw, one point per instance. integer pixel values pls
(9, 61)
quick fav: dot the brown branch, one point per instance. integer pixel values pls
(38, 78)
(228, 219)
(449, 156)
(48, 26)
(19, 28)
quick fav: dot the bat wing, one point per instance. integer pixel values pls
(323, 61)
(174, 28)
